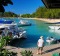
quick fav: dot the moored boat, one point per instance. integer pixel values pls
(6, 21)
(24, 23)
(14, 30)
(55, 27)
(51, 40)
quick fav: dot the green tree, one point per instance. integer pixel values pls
(43, 12)
(26, 15)
(40, 12)
(9, 14)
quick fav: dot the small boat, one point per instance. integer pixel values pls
(24, 23)
(17, 33)
(55, 27)
(10, 26)
(14, 30)
(20, 35)
(7, 25)
(51, 40)
(5, 21)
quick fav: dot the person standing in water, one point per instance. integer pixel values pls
(40, 44)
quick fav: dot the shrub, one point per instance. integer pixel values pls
(4, 52)
(26, 53)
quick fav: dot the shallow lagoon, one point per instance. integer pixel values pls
(34, 31)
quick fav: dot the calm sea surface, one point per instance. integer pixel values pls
(34, 31)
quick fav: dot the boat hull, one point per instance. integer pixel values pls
(24, 25)
(5, 21)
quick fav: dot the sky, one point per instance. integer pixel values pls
(24, 6)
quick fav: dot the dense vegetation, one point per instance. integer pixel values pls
(43, 12)
(26, 15)
(3, 42)
(40, 12)
(9, 14)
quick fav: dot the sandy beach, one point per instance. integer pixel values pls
(45, 19)
(48, 20)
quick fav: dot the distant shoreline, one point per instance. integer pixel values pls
(46, 20)
(42, 19)
(49, 20)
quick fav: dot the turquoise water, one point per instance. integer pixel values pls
(34, 31)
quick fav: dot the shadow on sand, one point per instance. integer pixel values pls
(47, 51)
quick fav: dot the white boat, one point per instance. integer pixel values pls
(6, 25)
(21, 35)
(18, 32)
(50, 40)
(55, 27)
(24, 23)
(13, 28)
(10, 26)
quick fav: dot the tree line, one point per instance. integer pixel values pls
(8, 14)
(43, 12)
(40, 12)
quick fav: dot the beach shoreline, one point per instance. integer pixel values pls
(49, 20)
(41, 19)
(46, 19)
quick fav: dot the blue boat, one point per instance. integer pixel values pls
(6, 21)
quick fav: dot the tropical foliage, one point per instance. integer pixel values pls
(43, 12)
(4, 41)
(9, 14)
(26, 15)
(4, 52)
(26, 53)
